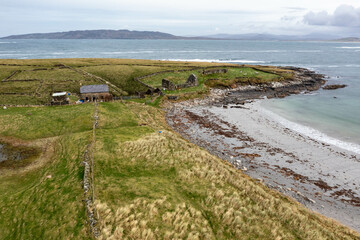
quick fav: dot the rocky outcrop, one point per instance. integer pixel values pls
(334, 86)
(304, 81)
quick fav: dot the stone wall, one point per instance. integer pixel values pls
(214, 71)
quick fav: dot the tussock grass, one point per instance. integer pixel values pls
(159, 186)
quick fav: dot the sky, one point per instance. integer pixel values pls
(183, 18)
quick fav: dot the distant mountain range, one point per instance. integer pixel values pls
(273, 37)
(349, 39)
(97, 34)
(126, 34)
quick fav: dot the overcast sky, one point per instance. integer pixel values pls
(185, 17)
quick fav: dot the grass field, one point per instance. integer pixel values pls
(148, 185)
(31, 82)
(149, 182)
(233, 75)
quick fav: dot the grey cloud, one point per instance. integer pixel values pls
(344, 16)
(288, 18)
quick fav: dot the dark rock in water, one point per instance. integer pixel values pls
(334, 86)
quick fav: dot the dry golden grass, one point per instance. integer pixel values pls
(159, 186)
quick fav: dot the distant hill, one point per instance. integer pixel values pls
(97, 34)
(349, 39)
(127, 34)
(273, 37)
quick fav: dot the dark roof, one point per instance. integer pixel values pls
(94, 88)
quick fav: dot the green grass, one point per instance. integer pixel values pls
(45, 122)
(51, 76)
(234, 75)
(35, 207)
(148, 185)
(19, 87)
(32, 205)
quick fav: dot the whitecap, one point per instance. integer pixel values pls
(126, 52)
(308, 51)
(349, 47)
(214, 60)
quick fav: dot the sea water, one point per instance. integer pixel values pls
(333, 115)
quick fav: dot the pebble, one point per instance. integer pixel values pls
(313, 201)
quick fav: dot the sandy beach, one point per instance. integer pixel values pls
(323, 177)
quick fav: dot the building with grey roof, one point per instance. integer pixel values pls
(91, 93)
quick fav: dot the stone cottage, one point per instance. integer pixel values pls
(90, 93)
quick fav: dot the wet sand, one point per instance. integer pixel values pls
(323, 177)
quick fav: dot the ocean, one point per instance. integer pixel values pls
(330, 116)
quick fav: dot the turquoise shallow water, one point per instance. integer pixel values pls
(337, 117)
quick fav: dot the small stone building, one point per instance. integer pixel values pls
(90, 93)
(59, 98)
(166, 84)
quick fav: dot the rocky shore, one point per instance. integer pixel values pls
(231, 125)
(304, 81)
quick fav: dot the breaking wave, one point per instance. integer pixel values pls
(215, 60)
(313, 133)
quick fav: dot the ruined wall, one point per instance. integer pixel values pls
(168, 85)
(214, 71)
(192, 81)
(96, 96)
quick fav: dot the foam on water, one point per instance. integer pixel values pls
(308, 51)
(348, 47)
(214, 60)
(312, 133)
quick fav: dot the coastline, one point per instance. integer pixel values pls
(322, 177)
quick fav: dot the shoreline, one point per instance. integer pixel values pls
(320, 176)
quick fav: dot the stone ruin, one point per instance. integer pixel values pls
(168, 84)
(214, 71)
(149, 92)
(191, 82)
